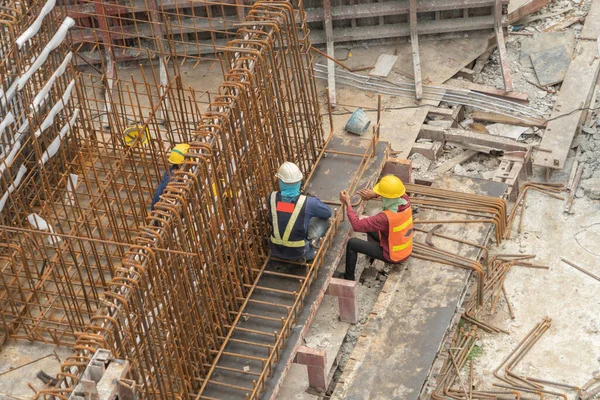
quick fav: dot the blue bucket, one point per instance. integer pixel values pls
(358, 122)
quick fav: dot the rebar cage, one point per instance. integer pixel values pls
(85, 137)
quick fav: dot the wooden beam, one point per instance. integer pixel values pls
(414, 41)
(504, 62)
(505, 119)
(330, 51)
(463, 136)
(567, 115)
(591, 28)
(403, 29)
(492, 91)
(524, 8)
(453, 162)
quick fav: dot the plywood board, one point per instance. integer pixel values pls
(384, 65)
(575, 93)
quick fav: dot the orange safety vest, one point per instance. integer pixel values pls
(400, 234)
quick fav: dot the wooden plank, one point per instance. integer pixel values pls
(384, 65)
(403, 29)
(518, 9)
(591, 28)
(414, 41)
(564, 24)
(453, 162)
(504, 119)
(398, 7)
(445, 113)
(464, 136)
(575, 93)
(492, 91)
(534, 18)
(504, 62)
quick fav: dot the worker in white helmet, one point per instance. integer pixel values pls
(299, 221)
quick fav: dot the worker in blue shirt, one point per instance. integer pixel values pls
(298, 221)
(175, 159)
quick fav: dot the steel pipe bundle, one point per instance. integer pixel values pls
(436, 93)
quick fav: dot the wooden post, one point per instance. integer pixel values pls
(414, 41)
(504, 62)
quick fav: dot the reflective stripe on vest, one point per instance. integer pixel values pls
(276, 237)
(400, 234)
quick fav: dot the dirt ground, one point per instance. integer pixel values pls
(569, 352)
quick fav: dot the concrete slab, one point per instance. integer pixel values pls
(408, 325)
(551, 65)
(540, 42)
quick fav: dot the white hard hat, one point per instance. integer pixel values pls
(289, 173)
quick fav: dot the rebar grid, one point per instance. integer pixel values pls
(177, 276)
(134, 29)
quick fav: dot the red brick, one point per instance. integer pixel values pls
(316, 379)
(342, 288)
(348, 309)
(311, 357)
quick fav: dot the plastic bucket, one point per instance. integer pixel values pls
(358, 122)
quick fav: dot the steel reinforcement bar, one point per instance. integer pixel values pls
(185, 278)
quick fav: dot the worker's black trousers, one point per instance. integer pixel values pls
(370, 248)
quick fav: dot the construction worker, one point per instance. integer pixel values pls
(298, 221)
(175, 159)
(390, 231)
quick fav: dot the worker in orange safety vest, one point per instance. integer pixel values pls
(390, 232)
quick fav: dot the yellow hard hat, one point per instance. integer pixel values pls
(136, 134)
(390, 187)
(178, 153)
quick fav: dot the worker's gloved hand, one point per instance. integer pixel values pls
(344, 198)
(367, 194)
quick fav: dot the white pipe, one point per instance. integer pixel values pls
(35, 26)
(56, 40)
(13, 186)
(5, 99)
(10, 157)
(40, 223)
(9, 119)
(55, 145)
(60, 104)
(41, 96)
